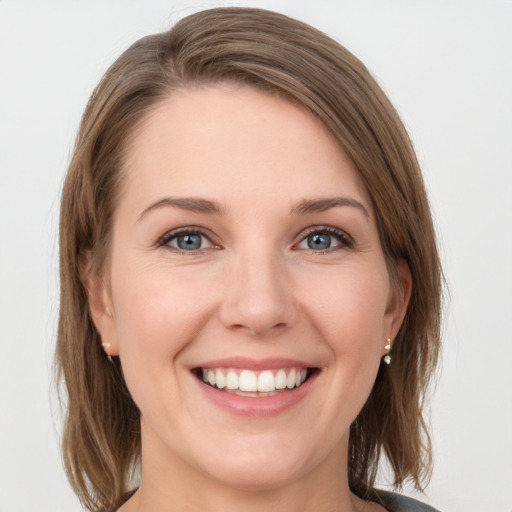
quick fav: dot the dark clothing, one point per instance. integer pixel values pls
(398, 503)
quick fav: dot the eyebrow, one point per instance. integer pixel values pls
(323, 204)
(199, 205)
(192, 204)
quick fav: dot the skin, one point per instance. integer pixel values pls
(253, 289)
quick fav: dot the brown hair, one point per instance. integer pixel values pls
(269, 51)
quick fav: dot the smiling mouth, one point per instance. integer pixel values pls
(254, 383)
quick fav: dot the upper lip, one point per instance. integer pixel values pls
(246, 363)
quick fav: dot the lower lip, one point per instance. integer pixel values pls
(257, 406)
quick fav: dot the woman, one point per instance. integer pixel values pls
(250, 286)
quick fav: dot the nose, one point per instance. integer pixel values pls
(258, 297)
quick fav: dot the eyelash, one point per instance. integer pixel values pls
(346, 242)
(191, 230)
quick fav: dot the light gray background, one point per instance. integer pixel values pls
(447, 65)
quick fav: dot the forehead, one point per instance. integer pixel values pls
(233, 141)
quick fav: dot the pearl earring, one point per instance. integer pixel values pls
(387, 357)
(107, 346)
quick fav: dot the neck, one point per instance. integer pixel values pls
(169, 484)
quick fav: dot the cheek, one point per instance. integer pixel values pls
(157, 313)
(349, 308)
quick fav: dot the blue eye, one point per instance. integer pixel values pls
(325, 239)
(319, 241)
(187, 241)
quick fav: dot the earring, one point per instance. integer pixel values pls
(387, 357)
(109, 357)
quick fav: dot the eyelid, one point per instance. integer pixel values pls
(346, 241)
(164, 240)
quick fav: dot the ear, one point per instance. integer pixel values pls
(399, 299)
(100, 304)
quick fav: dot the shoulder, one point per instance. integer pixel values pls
(398, 503)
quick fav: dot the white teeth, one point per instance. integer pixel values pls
(220, 380)
(232, 380)
(266, 381)
(290, 380)
(280, 379)
(248, 381)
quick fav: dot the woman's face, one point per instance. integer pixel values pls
(245, 253)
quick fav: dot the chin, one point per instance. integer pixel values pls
(258, 464)
(256, 476)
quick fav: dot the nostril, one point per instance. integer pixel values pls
(255, 329)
